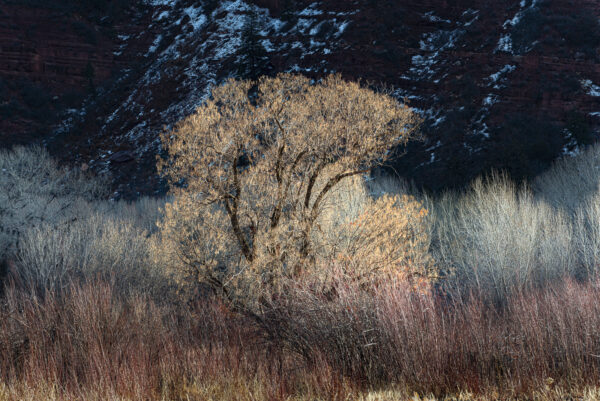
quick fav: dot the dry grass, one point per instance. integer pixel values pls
(240, 390)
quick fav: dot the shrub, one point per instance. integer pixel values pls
(572, 185)
(96, 247)
(571, 181)
(515, 322)
(35, 190)
(55, 229)
(427, 344)
(259, 175)
(91, 338)
(587, 237)
(497, 239)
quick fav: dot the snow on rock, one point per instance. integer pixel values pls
(524, 8)
(162, 15)
(490, 100)
(188, 52)
(472, 14)
(188, 76)
(429, 64)
(311, 10)
(433, 43)
(155, 45)
(505, 70)
(440, 40)
(505, 43)
(590, 88)
(341, 28)
(483, 131)
(315, 29)
(268, 45)
(197, 19)
(497, 78)
(438, 121)
(571, 148)
(158, 3)
(435, 146)
(430, 16)
(423, 65)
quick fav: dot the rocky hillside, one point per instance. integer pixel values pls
(509, 84)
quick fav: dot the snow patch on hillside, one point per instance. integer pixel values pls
(505, 43)
(519, 15)
(311, 10)
(154, 45)
(490, 100)
(424, 65)
(188, 52)
(472, 14)
(197, 19)
(497, 78)
(590, 88)
(505, 70)
(190, 56)
(158, 3)
(430, 16)
(440, 40)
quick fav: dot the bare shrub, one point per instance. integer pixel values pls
(55, 228)
(425, 343)
(571, 181)
(497, 238)
(587, 237)
(89, 337)
(258, 175)
(380, 184)
(35, 190)
(50, 258)
(92, 342)
(144, 213)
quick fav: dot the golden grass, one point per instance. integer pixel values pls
(230, 388)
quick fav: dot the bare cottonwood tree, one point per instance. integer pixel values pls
(254, 168)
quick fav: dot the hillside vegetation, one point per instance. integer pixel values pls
(283, 267)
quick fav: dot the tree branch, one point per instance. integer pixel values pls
(231, 206)
(305, 249)
(311, 183)
(276, 215)
(330, 184)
